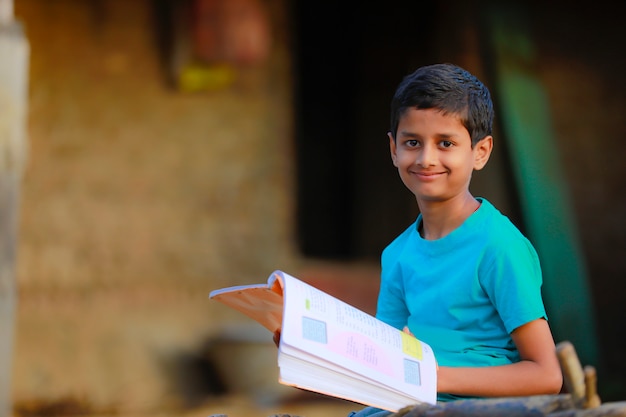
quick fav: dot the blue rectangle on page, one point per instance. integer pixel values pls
(314, 330)
(412, 372)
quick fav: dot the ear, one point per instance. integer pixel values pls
(482, 152)
(392, 149)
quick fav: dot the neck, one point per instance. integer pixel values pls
(440, 218)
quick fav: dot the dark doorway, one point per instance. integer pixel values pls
(349, 58)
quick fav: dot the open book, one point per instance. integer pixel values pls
(329, 347)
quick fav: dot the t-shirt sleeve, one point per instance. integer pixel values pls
(512, 280)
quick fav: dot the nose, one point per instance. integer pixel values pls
(426, 156)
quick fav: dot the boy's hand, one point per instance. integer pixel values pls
(277, 337)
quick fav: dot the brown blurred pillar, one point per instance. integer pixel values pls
(14, 52)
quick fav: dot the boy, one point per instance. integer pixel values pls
(462, 278)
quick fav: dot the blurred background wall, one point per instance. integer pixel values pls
(156, 174)
(140, 198)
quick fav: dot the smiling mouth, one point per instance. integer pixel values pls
(427, 175)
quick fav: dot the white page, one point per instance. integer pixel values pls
(332, 330)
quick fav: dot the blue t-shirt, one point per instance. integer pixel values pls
(465, 293)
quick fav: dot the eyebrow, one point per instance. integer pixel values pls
(408, 134)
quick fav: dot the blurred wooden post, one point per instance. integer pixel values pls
(14, 53)
(542, 188)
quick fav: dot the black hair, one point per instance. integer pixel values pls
(450, 89)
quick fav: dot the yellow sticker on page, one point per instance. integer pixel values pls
(411, 346)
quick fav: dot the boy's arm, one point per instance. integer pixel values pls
(537, 373)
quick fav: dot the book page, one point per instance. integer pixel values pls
(334, 331)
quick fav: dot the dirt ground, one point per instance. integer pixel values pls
(237, 406)
(227, 405)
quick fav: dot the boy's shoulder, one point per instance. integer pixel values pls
(495, 219)
(499, 233)
(393, 252)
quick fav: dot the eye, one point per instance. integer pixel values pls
(412, 143)
(446, 144)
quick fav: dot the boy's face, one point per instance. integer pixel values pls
(434, 155)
